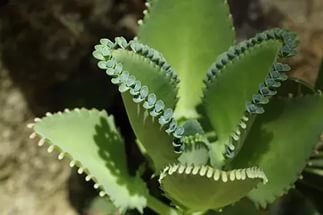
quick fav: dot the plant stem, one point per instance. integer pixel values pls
(159, 207)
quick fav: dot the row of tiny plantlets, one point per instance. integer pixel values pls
(103, 52)
(194, 141)
(216, 174)
(140, 93)
(315, 163)
(266, 89)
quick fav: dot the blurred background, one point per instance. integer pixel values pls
(46, 65)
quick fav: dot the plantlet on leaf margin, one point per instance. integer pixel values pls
(205, 159)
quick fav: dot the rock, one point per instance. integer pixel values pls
(305, 18)
(44, 45)
(26, 172)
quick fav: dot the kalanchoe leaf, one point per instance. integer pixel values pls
(315, 163)
(276, 132)
(313, 171)
(100, 153)
(194, 149)
(212, 188)
(192, 127)
(190, 159)
(135, 68)
(193, 144)
(226, 105)
(184, 46)
(155, 141)
(121, 57)
(235, 143)
(193, 152)
(244, 206)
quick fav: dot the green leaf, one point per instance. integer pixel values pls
(319, 80)
(101, 206)
(280, 142)
(148, 87)
(226, 97)
(195, 151)
(91, 141)
(190, 34)
(156, 142)
(295, 203)
(313, 173)
(244, 206)
(242, 80)
(130, 62)
(150, 75)
(200, 188)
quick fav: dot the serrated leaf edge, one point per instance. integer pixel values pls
(298, 175)
(103, 53)
(266, 89)
(141, 95)
(215, 174)
(62, 154)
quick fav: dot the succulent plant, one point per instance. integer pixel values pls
(208, 113)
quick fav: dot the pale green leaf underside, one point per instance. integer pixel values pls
(90, 139)
(156, 142)
(244, 206)
(226, 98)
(200, 188)
(148, 87)
(190, 34)
(280, 142)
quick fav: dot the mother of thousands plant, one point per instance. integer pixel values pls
(205, 111)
